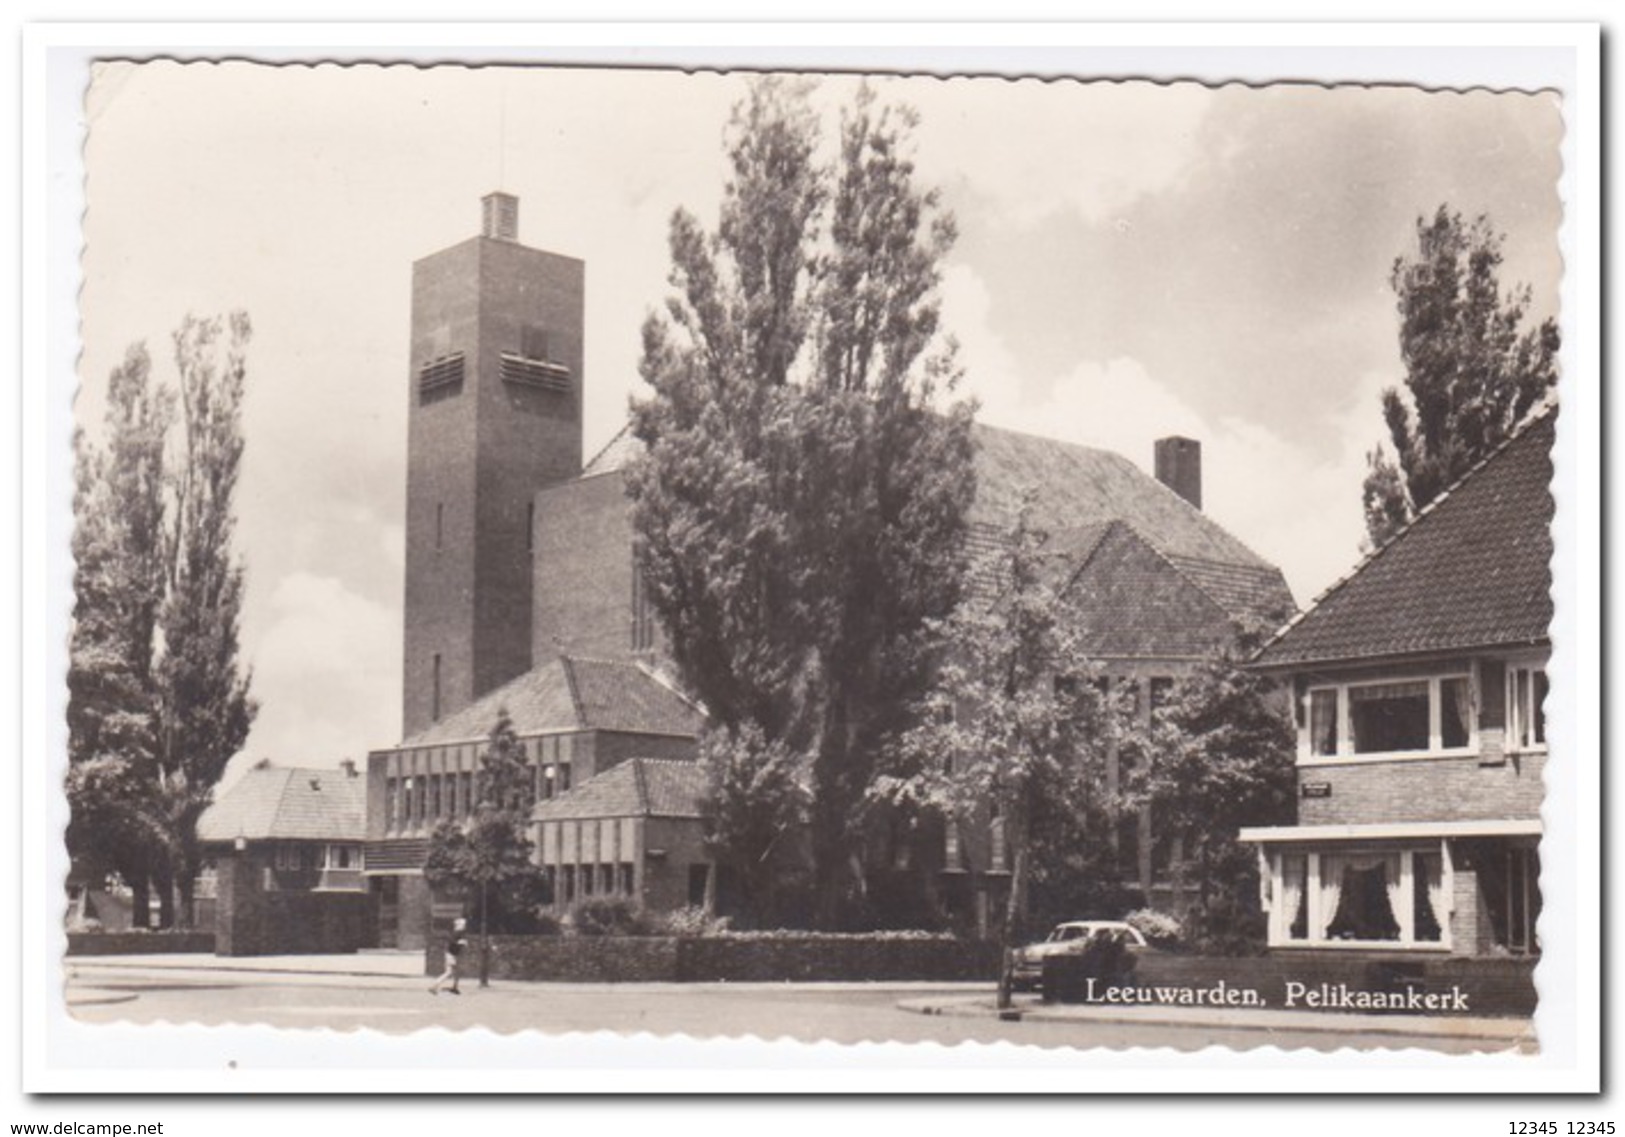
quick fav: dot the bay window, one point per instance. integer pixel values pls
(1376, 897)
(1393, 718)
(1526, 707)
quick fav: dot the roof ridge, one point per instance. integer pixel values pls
(1090, 553)
(1179, 572)
(568, 664)
(626, 428)
(282, 795)
(1536, 415)
(640, 784)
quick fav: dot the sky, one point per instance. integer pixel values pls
(1134, 260)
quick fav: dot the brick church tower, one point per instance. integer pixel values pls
(495, 416)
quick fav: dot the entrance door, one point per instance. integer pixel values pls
(388, 891)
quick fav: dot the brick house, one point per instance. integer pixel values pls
(634, 832)
(1419, 682)
(575, 719)
(283, 863)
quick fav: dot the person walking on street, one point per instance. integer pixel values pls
(455, 943)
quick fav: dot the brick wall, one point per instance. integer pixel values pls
(252, 921)
(665, 880)
(651, 959)
(583, 570)
(1424, 789)
(138, 943)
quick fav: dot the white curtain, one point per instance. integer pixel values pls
(1396, 893)
(1332, 867)
(1293, 866)
(1433, 865)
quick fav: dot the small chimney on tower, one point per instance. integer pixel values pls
(1179, 467)
(499, 216)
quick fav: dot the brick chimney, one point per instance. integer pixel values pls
(348, 766)
(499, 216)
(1179, 467)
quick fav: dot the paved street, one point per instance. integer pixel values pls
(809, 1012)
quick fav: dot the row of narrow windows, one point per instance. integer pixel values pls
(417, 800)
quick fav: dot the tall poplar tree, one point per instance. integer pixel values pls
(800, 506)
(1472, 369)
(206, 710)
(117, 822)
(158, 699)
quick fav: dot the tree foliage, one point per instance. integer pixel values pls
(116, 821)
(206, 709)
(1472, 369)
(800, 503)
(488, 855)
(755, 810)
(1222, 752)
(1018, 725)
(158, 703)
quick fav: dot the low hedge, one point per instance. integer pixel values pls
(734, 958)
(139, 943)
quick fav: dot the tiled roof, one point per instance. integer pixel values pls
(571, 693)
(1472, 570)
(287, 803)
(1078, 486)
(1131, 602)
(1078, 491)
(616, 453)
(638, 787)
(1241, 590)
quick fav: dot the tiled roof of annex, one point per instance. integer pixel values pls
(573, 693)
(637, 787)
(1472, 570)
(288, 803)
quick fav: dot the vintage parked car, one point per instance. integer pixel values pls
(1027, 969)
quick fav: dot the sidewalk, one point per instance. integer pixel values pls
(1511, 1031)
(389, 964)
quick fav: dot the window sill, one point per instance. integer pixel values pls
(1387, 756)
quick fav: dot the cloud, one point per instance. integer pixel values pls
(326, 674)
(1292, 500)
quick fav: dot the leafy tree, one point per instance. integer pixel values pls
(800, 503)
(488, 854)
(1222, 753)
(205, 707)
(1472, 370)
(1017, 726)
(116, 822)
(158, 703)
(755, 810)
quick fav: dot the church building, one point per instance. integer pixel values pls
(522, 590)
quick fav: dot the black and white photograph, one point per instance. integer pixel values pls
(1062, 564)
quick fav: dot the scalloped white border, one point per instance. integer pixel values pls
(60, 1055)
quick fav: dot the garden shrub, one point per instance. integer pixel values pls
(1159, 929)
(608, 916)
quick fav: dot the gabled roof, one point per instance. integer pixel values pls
(1472, 570)
(572, 693)
(638, 787)
(1078, 491)
(288, 803)
(1080, 485)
